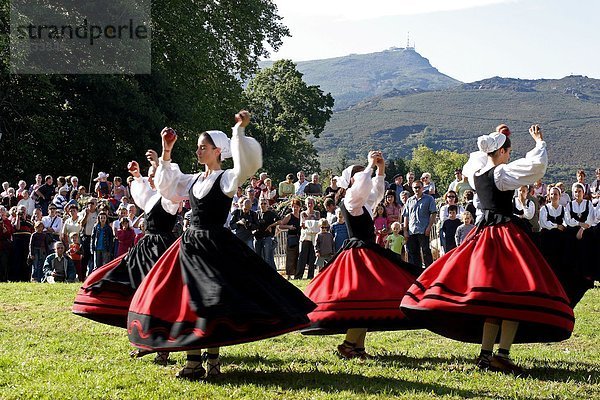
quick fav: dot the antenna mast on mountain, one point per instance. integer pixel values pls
(408, 46)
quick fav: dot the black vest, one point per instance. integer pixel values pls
(491, 198)
(580, 217)
(158, 220)
(559, 219)
(210, 211)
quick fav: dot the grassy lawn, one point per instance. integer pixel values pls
(47, 352)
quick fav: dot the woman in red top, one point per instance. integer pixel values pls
(126, 236)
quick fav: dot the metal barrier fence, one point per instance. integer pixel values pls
(280, 248)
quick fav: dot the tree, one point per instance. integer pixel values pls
(440, 164)
(202, 50)
(285, 112)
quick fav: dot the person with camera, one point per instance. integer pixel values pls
(244, 221)
(22, 230)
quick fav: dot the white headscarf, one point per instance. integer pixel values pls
(344, 180)
(221, 141)
(577, 184)
(490, 143)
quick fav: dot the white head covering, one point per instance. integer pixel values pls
(490, 143)
(344, 180)
(221, 141)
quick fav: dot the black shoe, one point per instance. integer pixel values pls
(483, 362)
(192, 374)
(506, 365)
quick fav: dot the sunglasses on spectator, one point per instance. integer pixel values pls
(451, 197)
(417, 187)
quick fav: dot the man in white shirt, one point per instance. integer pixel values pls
(300, 184)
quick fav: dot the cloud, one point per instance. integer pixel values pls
(355, 10)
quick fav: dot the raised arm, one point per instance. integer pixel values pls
(246, 153)
(366, 191)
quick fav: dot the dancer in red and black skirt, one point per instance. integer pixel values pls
(211, 289)
(496, 280)
(106, 294)
(361, 287)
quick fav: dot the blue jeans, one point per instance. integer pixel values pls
(101, 257)
(37, 267)
(265, 247)
(416, 244)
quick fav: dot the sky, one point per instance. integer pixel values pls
(468, 40)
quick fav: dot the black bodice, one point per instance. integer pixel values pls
(211, 210)
(158, 220)
(580, 217)
(359, 227)
(491, 198)
(559, 219)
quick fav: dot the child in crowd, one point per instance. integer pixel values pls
(449, 227)
(339, 230)
(76, 252)
(463, 231)
(39, 247)
(380, 222)
(395, 240)
(142, 233)
(125, 236)
(324, 244)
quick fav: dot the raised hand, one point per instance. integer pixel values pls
(134, 168)
(152, 157)
(242, 118)
(169, 137)
(536, 133)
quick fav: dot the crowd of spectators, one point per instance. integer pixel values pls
(58, 232)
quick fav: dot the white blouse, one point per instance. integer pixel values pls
(511, 176)
(247, 159)
(549, 210)
(579, 208)
(528, 208)
(146, 197)
(364, 192)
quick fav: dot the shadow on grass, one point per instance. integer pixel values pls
(423, 362)
(338, 382)
(566, 372)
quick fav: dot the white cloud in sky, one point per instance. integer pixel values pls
(354, 10)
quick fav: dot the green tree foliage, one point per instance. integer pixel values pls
(202, 50)
(394, 167)
(285, 112)
(440, 164)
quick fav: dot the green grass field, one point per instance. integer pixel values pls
(48, 353)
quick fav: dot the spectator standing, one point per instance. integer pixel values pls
(76, 253)
(460, 184)
(10, 200)
(21, 234)
(118, 190)
(587, 193)
(332, 189)
(463, 231)
(339, 230)
(291, 222)
(449, 228)
(27, 202)
(314, 188)
(309, 220)
(286, 188)
(564, 197)
(61, 199)
(70, 225)
(300, 184)
(268, 192)
(397, 187)
(540, 188)
(53, 223)
(103, 186)
(244, 222)
(45, 193)
(125, 236)
(329, 205)
(380, 223)
(393, 210)
(39, 181)
(5, 244)
(468, 199)
(5, 187)
(450, 198)
(395, 240)
(264, 236)
(250, 194)
(22, 188)
(408, 186)
(523, 208)
(324, 245)
(419, 215)
(88, 220)
(40, 244)
(428, 184)
(102, 240)
(58, 267)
